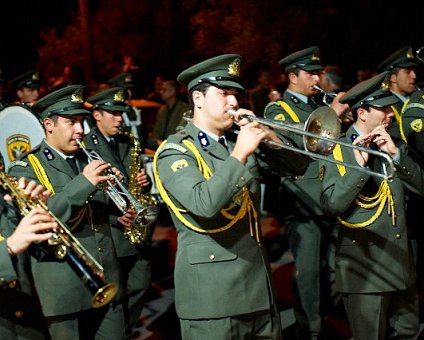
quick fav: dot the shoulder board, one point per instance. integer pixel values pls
(174, 146)
(18, 163)
(271, 104)
(33, 150)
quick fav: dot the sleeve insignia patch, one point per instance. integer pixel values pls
(321, 172)
(18, 163)
(280, 116)
(417, 125)
(181, 163)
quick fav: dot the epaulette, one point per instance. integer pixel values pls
(18, 163)
(271, 104)
(174, 146)
(33, 150)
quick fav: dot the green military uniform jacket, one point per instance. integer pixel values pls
(378, 257)
(394, 129)
(306, 188)
(168, 119)
(412, 124)
(60, 290)
(20, 312)
(217, 274)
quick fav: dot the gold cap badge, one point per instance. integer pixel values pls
(234, 68)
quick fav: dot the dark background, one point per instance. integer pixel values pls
(165, 36)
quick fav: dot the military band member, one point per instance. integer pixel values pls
(375, 270)
(310, 232)
(210, 180)
(20, 312)
(27, 87)
(132, 116)
(60, 165)
(402, 66)
(116, 148)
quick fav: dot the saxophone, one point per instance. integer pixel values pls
(66, 246)
(140, 231)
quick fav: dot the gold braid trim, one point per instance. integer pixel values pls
(402, 132)
(41, 173)
(382, 196)
(245, 207)
(44, 180)
(290, 111)
(1, 237)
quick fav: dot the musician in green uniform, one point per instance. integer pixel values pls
(61, 166)
(310, 232)
(402, 66)
(375, 270)
(27, 87)
(209, 178)
(123, 152)
(20, 312)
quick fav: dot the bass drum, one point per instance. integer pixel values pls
(20, 131)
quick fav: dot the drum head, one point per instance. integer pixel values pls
(20, 131)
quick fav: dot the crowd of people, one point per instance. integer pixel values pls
(353, 231)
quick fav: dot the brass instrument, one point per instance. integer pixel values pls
(67, 247)
(145, 214)
(328, 97)
(321, 134)
(139, 232)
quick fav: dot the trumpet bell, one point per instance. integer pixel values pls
(323, 122)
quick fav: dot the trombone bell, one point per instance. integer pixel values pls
(323, 122)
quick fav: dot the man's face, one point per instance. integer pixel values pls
(404, 82)
(212, 108)
(28, 95)
(62, 132)
(376, 116)
(304, 82)
(108, 122)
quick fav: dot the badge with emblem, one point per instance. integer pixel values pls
(294, 99)
(181, 163)
(95, 139)
(203, 139)
(49, 154)
(417, 125)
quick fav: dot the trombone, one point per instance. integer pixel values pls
(320, 136)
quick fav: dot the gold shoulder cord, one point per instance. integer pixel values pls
(382, 196)
(289, 110)
(44, 180)
(1, 237)
(245, 207)
(399, 119)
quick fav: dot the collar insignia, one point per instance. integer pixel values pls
(49, 154)
(95, 139)
(203, 139)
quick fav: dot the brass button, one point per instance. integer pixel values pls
(12, 284)
(398, 236)
(212, 257)
(101, 249)
(96, 230)
(353, 241)
(243, 178)
(19, 313)
(237, 186)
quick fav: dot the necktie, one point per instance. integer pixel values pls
(221, 140)
(72, 163)
(114, 147)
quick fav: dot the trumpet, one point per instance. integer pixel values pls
(321, 134)
(328, 97)
(66, 247)
(120, 195)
